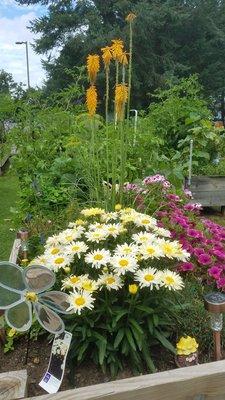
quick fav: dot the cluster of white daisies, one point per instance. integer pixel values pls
(109, 247)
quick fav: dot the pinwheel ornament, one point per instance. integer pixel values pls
(25, 291)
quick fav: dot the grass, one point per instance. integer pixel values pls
(8, 199)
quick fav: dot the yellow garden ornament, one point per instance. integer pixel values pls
(91, 100)
(93, 67)
(186, 346)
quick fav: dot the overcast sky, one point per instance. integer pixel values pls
(14, 20)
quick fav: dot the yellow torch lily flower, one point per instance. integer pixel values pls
(93, 67)
(91, 100)
(121, 95)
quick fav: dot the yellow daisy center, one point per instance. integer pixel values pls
(55, 250)
(112, 229)
(59, 260)
(149, 277)
(75, 248)
(123, 263)
(110, 280)
(69, 238)
(127, 250)
(87, 286)
(145, 221)
(150, 250)
(168, 250)
(169, 280)
(79, 301)
(74, 279)
(98, 257)
(31, 296)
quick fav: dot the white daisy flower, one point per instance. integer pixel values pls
(69, 235)
(73, 281)
(80, 300)
(123, 264)
(145, 221)
(126, 249)
(110, 216)
(111, 281)
(169, 249)
(148, 277)
(96, 236)
(92, 212)
(76, 248)
(150, 250)
(88, 285)
(114, 230)
(58, 262)
(143, 237)
(53, 250)
(96, 225)
(98, 258)
(41, 260)
(171, 280)
(52, 241)
(162, 232)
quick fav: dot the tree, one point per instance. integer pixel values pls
(172, 39)
(8, 86)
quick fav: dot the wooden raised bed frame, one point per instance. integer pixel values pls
(201, 382)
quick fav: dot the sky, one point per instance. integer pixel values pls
(14, 22)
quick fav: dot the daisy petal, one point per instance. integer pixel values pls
(48, 319)
(8, 298)
(11, 276)
(38, 278)
(19, 316)
(57, 301)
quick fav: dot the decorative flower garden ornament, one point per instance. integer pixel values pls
(24, 291)
(187, 352)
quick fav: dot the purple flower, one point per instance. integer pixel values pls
(198, 251)
(194, 233)
(204, 259)
(218, 254)
(173, 197)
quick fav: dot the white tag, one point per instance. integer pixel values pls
(52, 379)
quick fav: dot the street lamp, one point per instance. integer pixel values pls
(27, 58)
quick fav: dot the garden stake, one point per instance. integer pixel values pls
(23, 235)
(215, 304)
(190, 163)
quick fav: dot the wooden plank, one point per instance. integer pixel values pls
(15, 251)
(13, 385)
(201, 382)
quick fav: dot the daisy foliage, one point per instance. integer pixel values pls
(119, 271)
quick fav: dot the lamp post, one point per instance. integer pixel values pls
(27, 59)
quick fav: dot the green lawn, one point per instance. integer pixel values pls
(8, 198)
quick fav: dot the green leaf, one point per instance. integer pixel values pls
(130, 339)
(136, 326)
(146, 309)
(82, 350)
(119, 337)
(102, 351)
(118, 316)
(165, 342)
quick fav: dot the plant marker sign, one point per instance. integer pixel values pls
(24, 292)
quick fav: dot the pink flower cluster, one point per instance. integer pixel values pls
(149, 180)
(202, 238)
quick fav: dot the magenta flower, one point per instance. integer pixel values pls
(186, 266)
(204, 259)
(198, 251)
(220, 283)
(215, 272)
(194, 233)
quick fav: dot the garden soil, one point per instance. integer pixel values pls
(38, 359)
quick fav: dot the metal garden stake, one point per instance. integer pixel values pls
(215, 304)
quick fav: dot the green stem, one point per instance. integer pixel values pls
(130, 71)
(122, 160)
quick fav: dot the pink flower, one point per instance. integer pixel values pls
(215, 272)
(220, 283)
(173, 197)
(186, 266)
(204, 259)
(194, 233)
(198, 251)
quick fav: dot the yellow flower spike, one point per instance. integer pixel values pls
(93, 67)
(91, 100)
(11, 332)
(130, 17)
(121, 94)
(107, 56)
(123, 59)
(31, 296)
(133, 288)
(117, 49)
(186, 345)
(118, 207)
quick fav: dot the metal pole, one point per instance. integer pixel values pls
(190, 163)
(28, 69)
